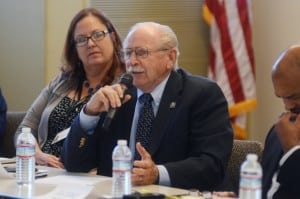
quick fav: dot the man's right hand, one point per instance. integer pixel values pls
(288, 131)
(105, 98)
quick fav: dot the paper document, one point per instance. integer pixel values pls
(7, 160)
(68, 191)
(4, 174)
(63, 179)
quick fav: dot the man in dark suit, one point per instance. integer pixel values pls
(191, 138)
(281, 158)
(3, 109)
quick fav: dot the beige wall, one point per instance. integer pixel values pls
(32, 39)
(184, 17)
(276, 26)
(22, 36)
(59, 13)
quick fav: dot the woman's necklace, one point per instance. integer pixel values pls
(91, 90)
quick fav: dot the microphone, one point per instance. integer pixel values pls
(126, 82)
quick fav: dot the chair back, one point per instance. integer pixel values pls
(13, 120)
(239, 152)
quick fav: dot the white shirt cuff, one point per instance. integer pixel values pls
(88, 122)
(164, 178)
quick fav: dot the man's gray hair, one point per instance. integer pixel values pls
(168, 37)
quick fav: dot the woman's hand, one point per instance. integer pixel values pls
(42, 158)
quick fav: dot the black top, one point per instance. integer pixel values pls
(61, 118)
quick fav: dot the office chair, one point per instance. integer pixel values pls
(240, 150)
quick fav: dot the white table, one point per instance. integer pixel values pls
(9, 187)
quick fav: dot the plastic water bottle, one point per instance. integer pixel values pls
(25, 151)
(121, 177)
(250, 178)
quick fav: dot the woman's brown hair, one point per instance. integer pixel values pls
(73, 67)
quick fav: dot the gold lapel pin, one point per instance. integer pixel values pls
(82, 142)
(172, 105)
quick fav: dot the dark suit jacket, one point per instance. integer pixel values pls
(3, 109)
(193, 140)
(288, 175)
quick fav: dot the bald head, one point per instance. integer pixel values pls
(288, 61)
(286, 77)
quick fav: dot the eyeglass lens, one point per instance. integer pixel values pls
(139, 52)
(95, 36)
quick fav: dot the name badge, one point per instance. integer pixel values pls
(61, 135)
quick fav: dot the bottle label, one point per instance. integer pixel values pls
(121, 165)
(250, 181)
(25, 150)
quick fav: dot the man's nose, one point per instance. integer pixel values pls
(132, 59)
(289, 104)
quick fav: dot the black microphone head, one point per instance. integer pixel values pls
(126, 79)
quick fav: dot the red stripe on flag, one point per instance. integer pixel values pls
(246, 26)
(230, 63)
(212, 61)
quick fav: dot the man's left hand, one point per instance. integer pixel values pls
(144, 171)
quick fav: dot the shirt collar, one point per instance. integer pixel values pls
(157, 91)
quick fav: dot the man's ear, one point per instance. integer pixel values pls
(172, 57)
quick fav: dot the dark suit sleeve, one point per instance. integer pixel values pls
(210, 139)
(288, 177)
(3, 109)
(79, 149)
(270, 159)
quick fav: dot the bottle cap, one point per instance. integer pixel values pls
(252, 157)
(26, 130)
(122, 142)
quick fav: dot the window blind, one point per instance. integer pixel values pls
(184, 17)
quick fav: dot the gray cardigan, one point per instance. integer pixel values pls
(38, 114)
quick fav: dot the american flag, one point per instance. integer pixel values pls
(231, 62)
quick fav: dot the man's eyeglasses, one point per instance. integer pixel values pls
(95, 36)
(139, 52)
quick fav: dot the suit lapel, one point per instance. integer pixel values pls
(124, 119)
(171, 98)
(130, 107)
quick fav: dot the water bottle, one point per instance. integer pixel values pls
(250, 178)
(25, 151)
(121, 176)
